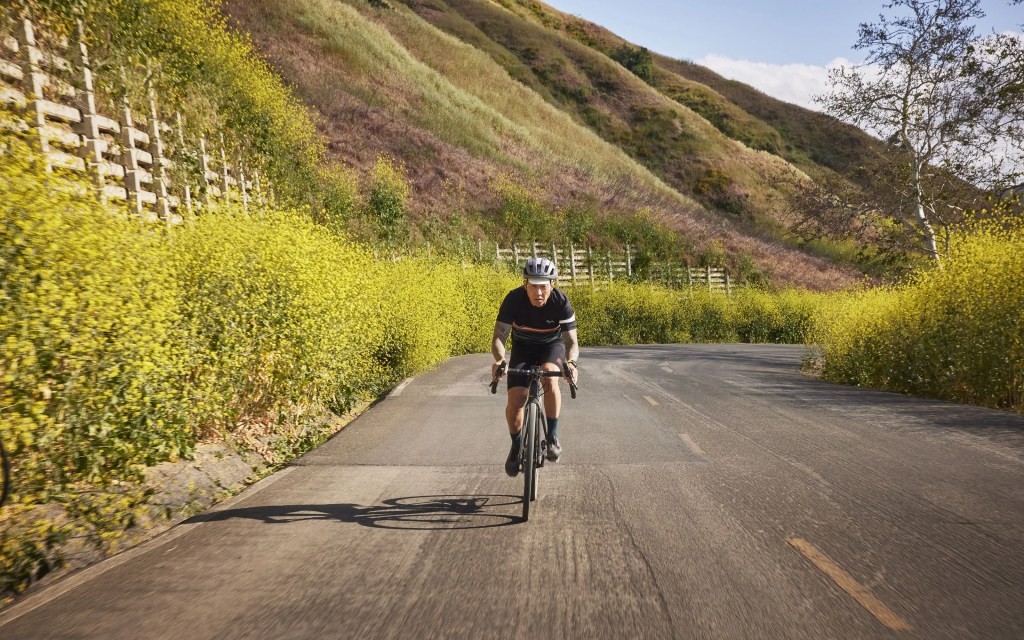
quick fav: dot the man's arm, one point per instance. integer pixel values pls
(572, 348)
(501, 331)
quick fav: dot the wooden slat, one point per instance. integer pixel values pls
(108, 125)
(66, 160)
(59, 111)
(115, 192)
(12, 96)
(61, 135)
(139, 135)
(112, 169)
(11, 70)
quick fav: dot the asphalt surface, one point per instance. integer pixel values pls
(705, 491)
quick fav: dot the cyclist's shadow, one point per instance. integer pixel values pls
(414, 513)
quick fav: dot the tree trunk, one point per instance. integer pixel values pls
(922, 216)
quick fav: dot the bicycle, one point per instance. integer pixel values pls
(533, 450)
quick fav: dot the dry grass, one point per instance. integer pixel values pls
(389, 81)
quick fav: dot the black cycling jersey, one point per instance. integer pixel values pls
(536, 325)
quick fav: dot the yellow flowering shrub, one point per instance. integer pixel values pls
(432, 309)
(122, 343)
(644, 314)
(629, 314)
(89, 335)
(955, 333)
(278, 315)
(90, 364)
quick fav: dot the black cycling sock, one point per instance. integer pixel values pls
(517, 438)
(552, 427)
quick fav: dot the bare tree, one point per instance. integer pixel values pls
(947, 103)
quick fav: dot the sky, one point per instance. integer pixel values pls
(784, 48)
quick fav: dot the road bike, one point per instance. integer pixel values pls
(533, 449)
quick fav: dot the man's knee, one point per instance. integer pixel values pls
(517, 397)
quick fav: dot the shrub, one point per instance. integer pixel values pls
(955, 333)
(645, 314)
(638, 61)
(389, 191)
(280, 313)
(89, 328)
(90, 364)
(523, 215)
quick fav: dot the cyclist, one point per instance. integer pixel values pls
(543, 328)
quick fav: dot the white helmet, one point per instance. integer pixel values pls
(540, 269)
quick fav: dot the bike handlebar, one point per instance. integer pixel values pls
(535, 371)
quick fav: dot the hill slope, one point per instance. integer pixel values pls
(468, 93)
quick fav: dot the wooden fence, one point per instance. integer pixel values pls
(586, 266)
(129, 157)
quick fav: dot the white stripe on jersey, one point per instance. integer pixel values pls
(572, 319)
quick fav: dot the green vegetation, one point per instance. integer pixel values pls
(122, 344)
(955, 333)
(389, 191)
(644, 314)
(637, 60)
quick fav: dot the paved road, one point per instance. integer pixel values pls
(706, 491)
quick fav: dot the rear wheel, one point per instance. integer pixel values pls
(529, 460)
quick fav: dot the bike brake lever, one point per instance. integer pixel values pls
(572, 382)
(501, 372)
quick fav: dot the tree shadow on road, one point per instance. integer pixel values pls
(417, 513)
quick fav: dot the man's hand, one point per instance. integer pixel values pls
(494, 369)
(574, 373)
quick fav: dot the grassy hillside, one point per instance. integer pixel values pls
(470, 96)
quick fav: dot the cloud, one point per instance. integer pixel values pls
(794, 83)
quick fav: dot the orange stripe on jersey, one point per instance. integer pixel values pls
(532, 330)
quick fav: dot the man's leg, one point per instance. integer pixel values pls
(552, 407)
(552, 394)
(514, 417)
(514, 408)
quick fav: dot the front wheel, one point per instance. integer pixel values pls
(538, 451)
(529, 459)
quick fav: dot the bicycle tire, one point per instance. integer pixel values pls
(538, 462)
(529, 460)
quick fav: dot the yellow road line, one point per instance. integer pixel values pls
(651, 400)
(846, 582)
(690, 443)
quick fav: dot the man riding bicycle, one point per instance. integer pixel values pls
(543, 328)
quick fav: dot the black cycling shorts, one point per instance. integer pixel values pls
(524, 356)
